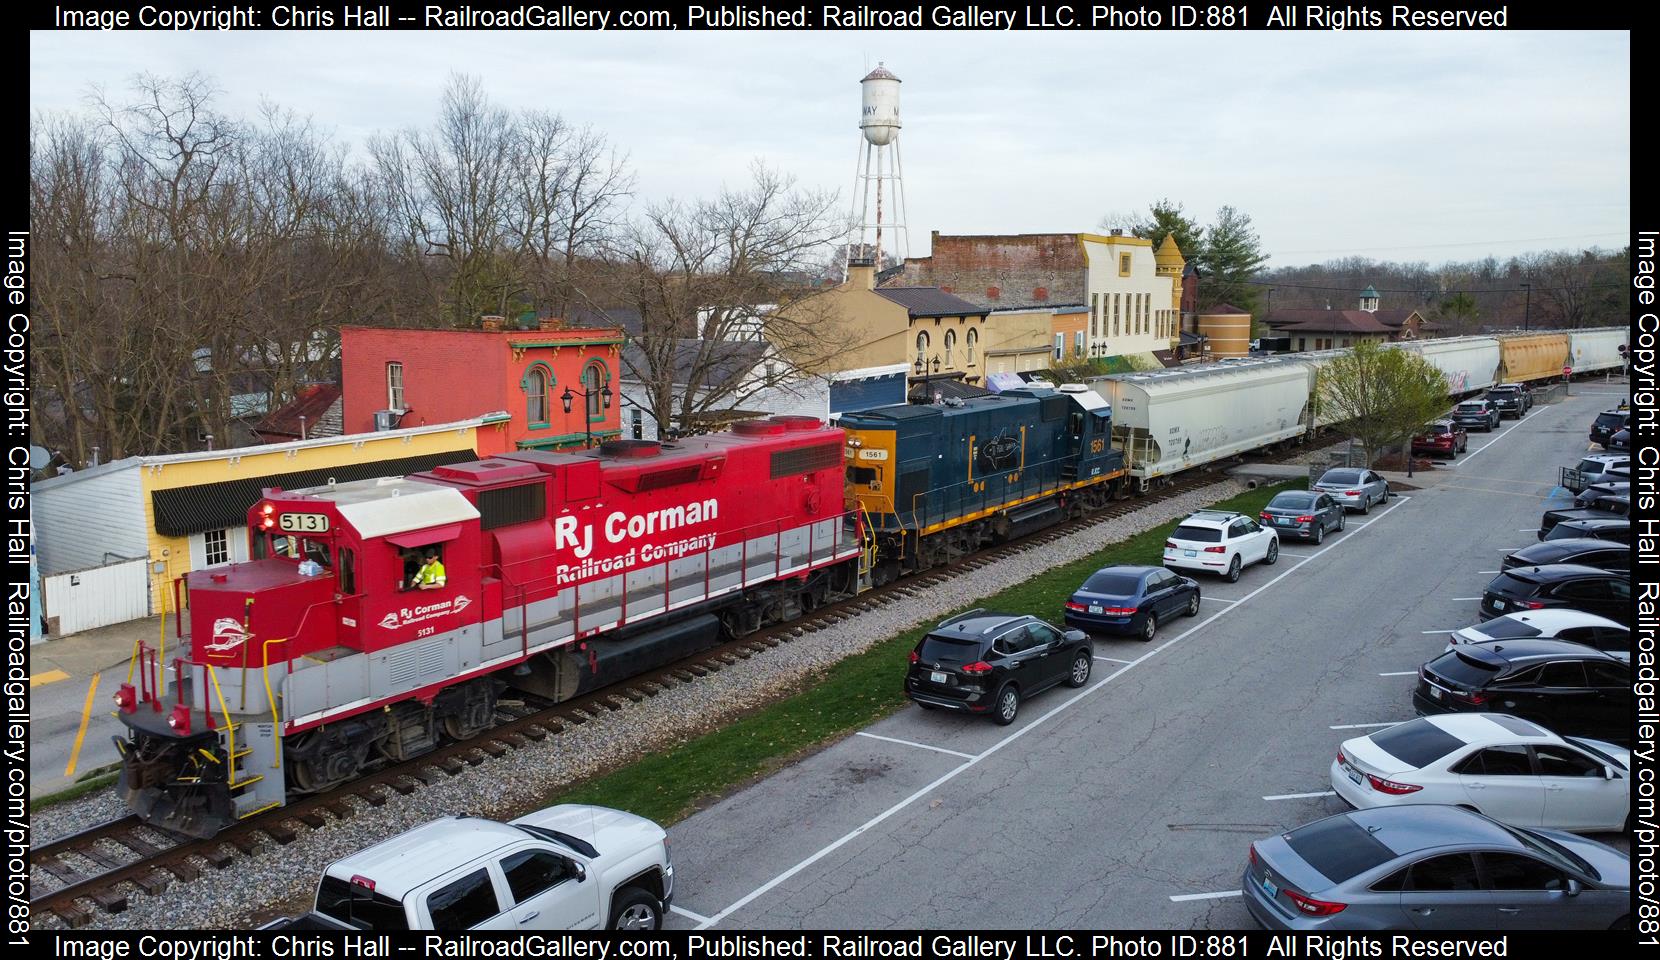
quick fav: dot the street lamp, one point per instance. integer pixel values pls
(587, 427)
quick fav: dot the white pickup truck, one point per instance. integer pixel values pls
(569, 867)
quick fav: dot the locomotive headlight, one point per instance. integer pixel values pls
(269, 509)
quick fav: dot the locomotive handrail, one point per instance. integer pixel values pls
(230, 729)
(271, 698)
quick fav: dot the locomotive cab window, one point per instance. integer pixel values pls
(422, 567)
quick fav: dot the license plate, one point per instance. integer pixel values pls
(1498, 604)
(1095, 608)
(937, 677)
(1435, 693)
(1270, 888)
(1190, 553)
(1287, 522)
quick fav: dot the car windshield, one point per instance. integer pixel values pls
(1201, 534)
(1550, 850)
(1593, 749)
(1507, 628)
(1417, 743)
(1341, 477)
(1292, 501)
(1338, 847)
(1510, 585)
(948, 650)
(1475, 408)
(1439, 428)
(1118, 584)
(1505, 388)
(1609, 419)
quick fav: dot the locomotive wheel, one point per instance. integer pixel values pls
(329, 768)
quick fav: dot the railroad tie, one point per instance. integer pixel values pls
(138, 844)
(514, 740)
(686, 675)
(534, 732)
(698, 669)
(713, 666)
(56, 869)
(113, 901)
(73, 914)
(473, 758)
(493, 748)
(312, 818)
(153, 882)
(731, 657)
(341, 809)
(449, 765)
(183, 868)
(281, 831)
(771, 641)
(634, 694)
(402, 785)
(373, 798)
(218, 857)
(244, 840)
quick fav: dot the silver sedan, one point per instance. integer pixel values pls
(1434, 867)
(1354, 488)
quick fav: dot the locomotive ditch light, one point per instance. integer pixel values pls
(126, 698)
(179, 720)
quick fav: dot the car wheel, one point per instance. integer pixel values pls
(1233, 570)
(1273, 556)
(1080, 669)
(1319, 533)
(1386, 493)
(1149, 627)
(1365, 505)
(1193, 605)
(1008, 706)
(636, 910)
(1342, 521)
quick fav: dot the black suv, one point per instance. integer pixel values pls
(1608, 423)
(1618, 488)
(1511, 398)
(1585, 551)
(1612, 529)
(1568, 687)
(982, 662)
(1481, 414)
(1570, 585)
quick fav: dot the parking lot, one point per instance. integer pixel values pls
(1130, 802)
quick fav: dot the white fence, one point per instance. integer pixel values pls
(95, 597)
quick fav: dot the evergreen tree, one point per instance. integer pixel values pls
(1231, 257)
(1165, 218)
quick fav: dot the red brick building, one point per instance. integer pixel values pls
(415, 377)
(1010, 270)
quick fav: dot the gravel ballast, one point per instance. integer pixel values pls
(521, 779)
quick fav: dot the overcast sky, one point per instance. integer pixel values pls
(1401, 146)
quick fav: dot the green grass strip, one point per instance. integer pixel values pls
(84, 786)
(860, 689)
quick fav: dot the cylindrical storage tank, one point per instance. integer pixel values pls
(1468, 363)
(1535, 356)
(1597, 348)
(879, 100)
(1229, 330)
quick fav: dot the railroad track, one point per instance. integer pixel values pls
(80, 891)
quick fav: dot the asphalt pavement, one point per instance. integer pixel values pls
(1130, 803)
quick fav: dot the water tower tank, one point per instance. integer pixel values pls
(880, 102)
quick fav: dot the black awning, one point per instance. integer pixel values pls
(182, 511)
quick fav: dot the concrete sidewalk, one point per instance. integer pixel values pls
(62, 671)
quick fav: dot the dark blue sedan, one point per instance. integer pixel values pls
(1133, 600)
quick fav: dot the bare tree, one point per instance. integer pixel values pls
(725, 296)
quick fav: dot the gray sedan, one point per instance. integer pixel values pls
(1434, 867)
(1303, 514)
(1354, 488)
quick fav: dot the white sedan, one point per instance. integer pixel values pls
(1561, 623)
(1508, 768)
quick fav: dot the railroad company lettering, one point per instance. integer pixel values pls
(426, 611)
(571, 532)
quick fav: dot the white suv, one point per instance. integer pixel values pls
(1222, 543)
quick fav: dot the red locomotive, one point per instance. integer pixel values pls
(342, 646)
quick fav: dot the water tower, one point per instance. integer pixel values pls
(879, 171)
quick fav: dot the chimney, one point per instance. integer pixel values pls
(862, 273)
(1117, 232)
(550, 323)
(490, 322)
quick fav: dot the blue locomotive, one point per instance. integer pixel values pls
(933, 482)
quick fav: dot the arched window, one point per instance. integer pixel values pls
(536, 395)
(950, 344)
(922, 347)
(973, 341)
(594, 379)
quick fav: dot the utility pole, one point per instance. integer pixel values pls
(1527, 305)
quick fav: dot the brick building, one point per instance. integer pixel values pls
(1325, 329)
(411, 377)
(1015, 270)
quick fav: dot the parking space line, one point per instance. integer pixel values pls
(1206, 896)
(1466, 598)
(913, 743)
(689, 915)
(952, 774)
(1400, 673)
(1428, 632)
(1364, 726)
(1112, 659)
(1528, 530)
(1302, 796)
(1204, 600)
(50, 676)
(1489, 571)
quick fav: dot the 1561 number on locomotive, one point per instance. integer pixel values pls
(303, 523)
